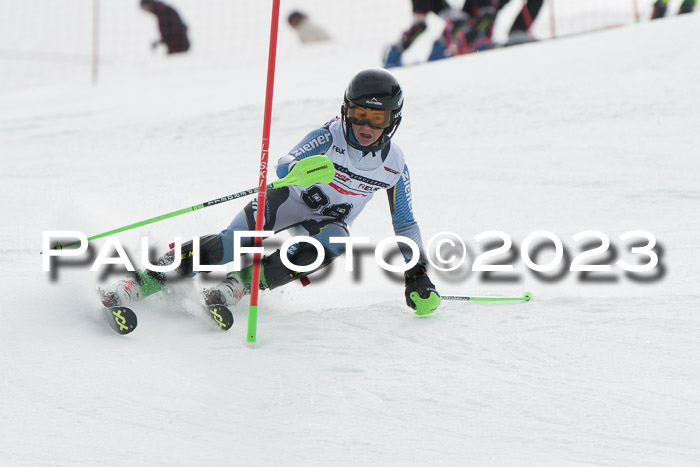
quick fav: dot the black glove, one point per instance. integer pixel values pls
(421, 294)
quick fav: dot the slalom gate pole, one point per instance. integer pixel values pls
(525, 298)
(260, 215)
(552, 21)
(306, 172)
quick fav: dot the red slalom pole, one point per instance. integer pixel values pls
(260, 215)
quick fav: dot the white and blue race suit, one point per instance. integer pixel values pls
(323, 211)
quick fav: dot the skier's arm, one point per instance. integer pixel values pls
(317, 142)
(404, 223)
(421, 294)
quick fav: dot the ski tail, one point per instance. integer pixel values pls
(221, 315)
(121, 319)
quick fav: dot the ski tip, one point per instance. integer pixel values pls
(528, 297)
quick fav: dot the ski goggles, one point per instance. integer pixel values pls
(377, 119)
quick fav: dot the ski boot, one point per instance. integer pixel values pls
(129, 290)
(392, 57)
(439, 51)
(687, 6)
(229, 292)
(659, 10)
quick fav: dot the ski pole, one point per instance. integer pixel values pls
(525, 298)
(308, 171)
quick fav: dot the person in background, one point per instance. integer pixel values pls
(308, 31)
(443, 47)
(661, 6)
(482, 15)
(466, 31)
(173, 32)
(520, 30)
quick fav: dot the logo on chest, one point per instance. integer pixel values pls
(342, 177)
(359, 179)
(368, 188)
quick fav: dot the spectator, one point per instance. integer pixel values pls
(482, 15)
(308, 31)
(443, 47)
(466, 31)
(173, 32)
(520, 30)
(661, 6)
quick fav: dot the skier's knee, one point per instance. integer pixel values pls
(210, 252)
(277, 274)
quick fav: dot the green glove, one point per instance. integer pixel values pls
(421, 294)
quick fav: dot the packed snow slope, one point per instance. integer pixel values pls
(596, 132)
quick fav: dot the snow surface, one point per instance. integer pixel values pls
(592, 132)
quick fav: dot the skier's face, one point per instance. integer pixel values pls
(365, 134)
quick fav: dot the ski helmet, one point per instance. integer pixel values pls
(374, 89)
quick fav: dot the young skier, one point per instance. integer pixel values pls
(366, 160)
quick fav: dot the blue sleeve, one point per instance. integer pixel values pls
(400, 203)
(317, 142)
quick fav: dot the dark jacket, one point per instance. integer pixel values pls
(173, 32)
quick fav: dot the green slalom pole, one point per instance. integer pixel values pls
(525, 298)
(308, 171)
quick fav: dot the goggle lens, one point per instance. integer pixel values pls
(378, 119)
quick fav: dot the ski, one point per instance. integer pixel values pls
(221, 315)
(121, 319)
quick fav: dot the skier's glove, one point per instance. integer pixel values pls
(421, 294)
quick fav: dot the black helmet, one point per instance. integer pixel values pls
(375, 89)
